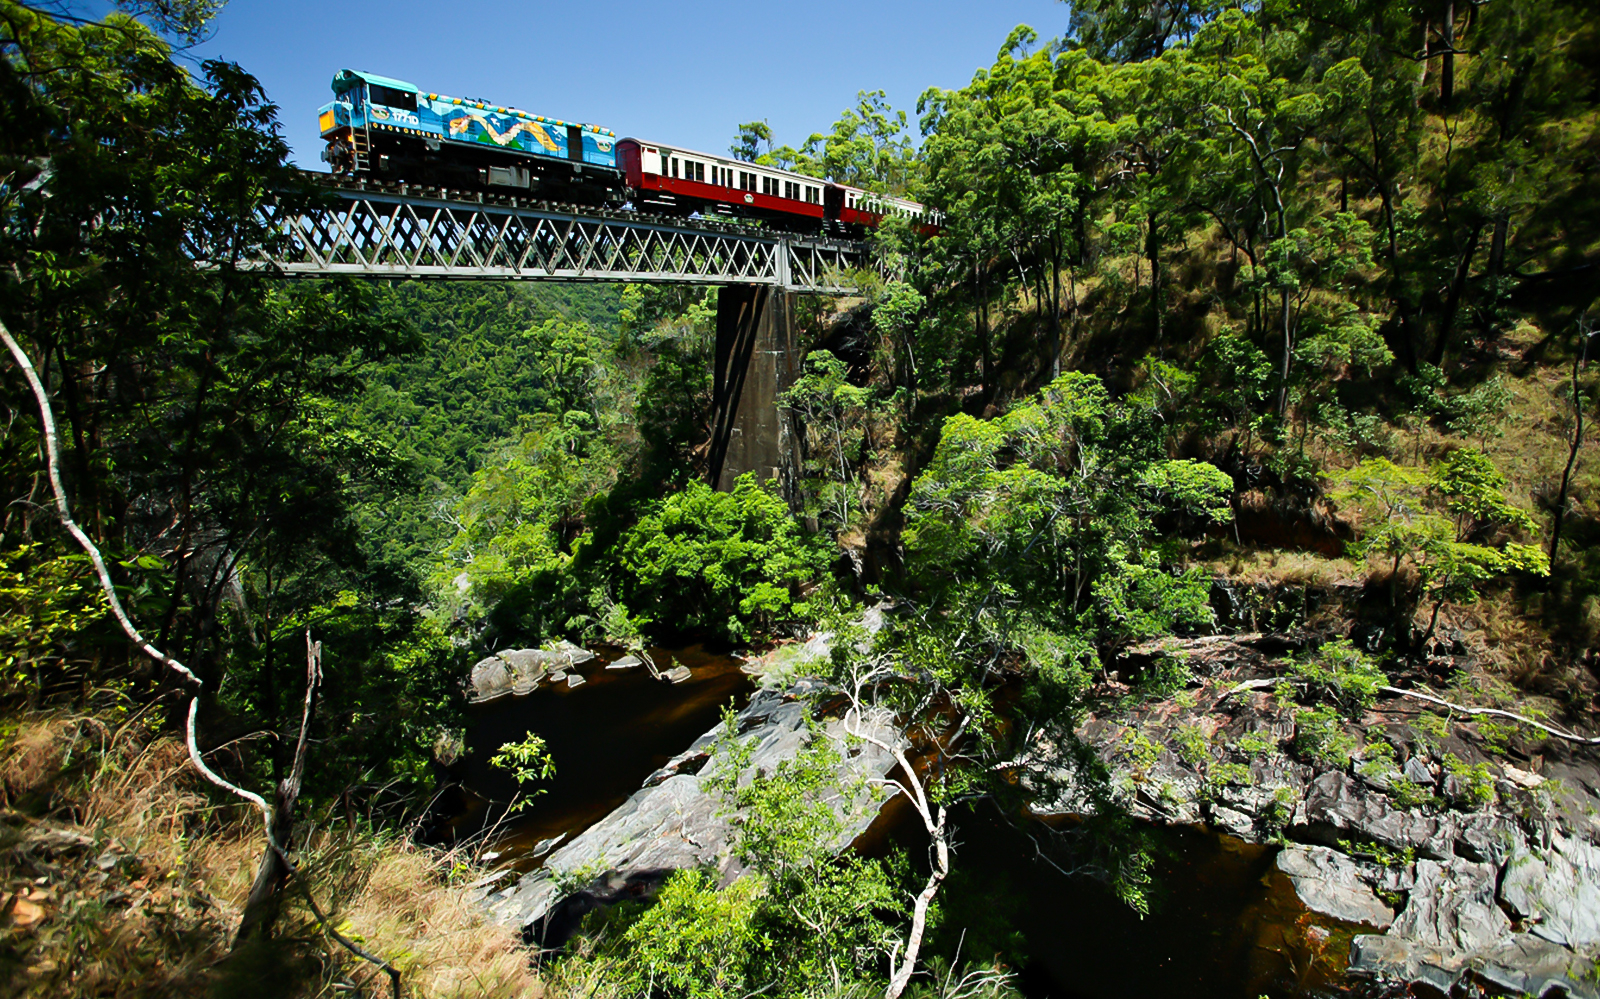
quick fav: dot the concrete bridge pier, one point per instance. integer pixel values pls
(757, 360)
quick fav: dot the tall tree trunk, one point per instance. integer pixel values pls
(1152, 249)
(88, 488)
(1578, 364)
(983, 327)
(1497, 244)
(261, 908)
(919, 909)
(1452, 304)
(1288, 353)
(1447, 67)
(1055, 309)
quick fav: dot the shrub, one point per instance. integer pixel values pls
(1320, 736)
(1224, 774)
(695, 942)
(1341, 673)
(1257, 744)
(1407, 793)
(1192, 746)
(1474, 783)
(1377, 762)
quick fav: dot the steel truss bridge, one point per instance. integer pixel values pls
(401, 231)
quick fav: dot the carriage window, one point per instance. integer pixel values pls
(665, 167)
(674, 166)
(700, 172)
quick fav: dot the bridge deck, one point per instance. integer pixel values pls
(401, 231)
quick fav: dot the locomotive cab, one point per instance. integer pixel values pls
(362, 102)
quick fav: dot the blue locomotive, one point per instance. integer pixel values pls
(390, 130)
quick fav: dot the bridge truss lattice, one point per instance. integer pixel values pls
(400, 232)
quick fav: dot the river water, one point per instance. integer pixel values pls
(1225, 923)
(605, 736)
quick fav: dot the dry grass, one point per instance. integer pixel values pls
(34, 755)
(140, 895)
(1290, 567)
(445, 948)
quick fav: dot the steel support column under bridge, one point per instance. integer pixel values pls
(757, 359)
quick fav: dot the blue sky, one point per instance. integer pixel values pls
(683, 71)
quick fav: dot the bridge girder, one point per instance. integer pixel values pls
(395, 233)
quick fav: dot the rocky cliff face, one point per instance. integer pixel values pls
(1455, 863)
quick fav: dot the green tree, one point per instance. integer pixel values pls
(726, 564)
(870, 147)
(1136, 30)
(1059, 497)
(834, 415)
(753, 141)
(205, 446)
(1451, 524)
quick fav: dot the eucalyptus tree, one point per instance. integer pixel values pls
(869, 147)
(1032, 549)
(1136, 30)
(1013, 160)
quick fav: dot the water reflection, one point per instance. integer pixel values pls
(1225, 923)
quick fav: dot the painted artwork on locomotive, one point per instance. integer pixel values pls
(364, 100)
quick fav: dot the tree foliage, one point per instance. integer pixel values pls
(1060, 496)
(724, 563)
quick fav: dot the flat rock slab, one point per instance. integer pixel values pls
(677, 822)
(626, 662)
(1331, 883)
(677, 674)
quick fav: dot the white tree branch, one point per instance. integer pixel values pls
(63, 508)
(1463, 709)
(52, 450)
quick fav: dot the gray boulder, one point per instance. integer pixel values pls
(1527, 965)
(1452, 908)
(518, 671)
(490, 680)
(676, 821)
(1557, 893)
(1337, 807)
(1330, 883)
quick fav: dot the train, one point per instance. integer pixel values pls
(389, 130)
